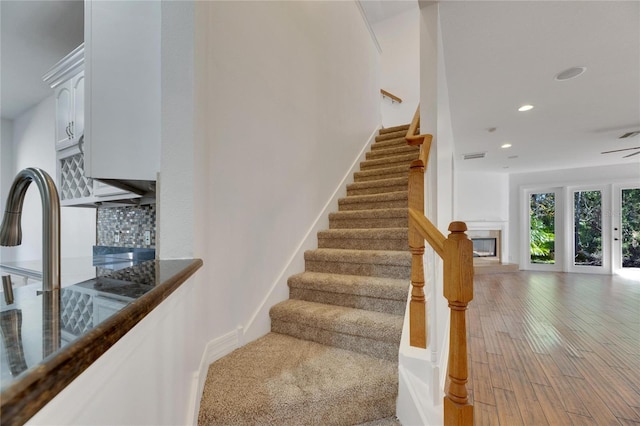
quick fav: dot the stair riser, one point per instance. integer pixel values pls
(364, 243)
(391, 135)
(382, 164)
(388, 144)
(359, 223)
(366, 269)
(402, 128)
(384, 153)
(395, 307)
(374, 205)
(367, 177)
(364, 345)
(377, 190)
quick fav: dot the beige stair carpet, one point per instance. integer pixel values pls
(331, 358)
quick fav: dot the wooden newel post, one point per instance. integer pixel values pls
(417, 308)
(458, 290)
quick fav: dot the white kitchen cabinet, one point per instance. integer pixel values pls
(67, 78)
(123, 105)
(68, 81)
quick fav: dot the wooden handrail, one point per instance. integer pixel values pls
(391, 96)
(429, 232)
(456, 251)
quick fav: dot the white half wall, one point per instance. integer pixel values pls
(34, 146)
(399, 38)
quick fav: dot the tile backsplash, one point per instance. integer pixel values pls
(125, 226)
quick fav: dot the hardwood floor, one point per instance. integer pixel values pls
(554, 348)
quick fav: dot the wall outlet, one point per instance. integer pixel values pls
(116, 236)
(147, 238)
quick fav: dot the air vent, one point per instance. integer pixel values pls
(474, 155)
(630, 134)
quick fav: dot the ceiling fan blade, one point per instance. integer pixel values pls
(631, 155)
(618, 150)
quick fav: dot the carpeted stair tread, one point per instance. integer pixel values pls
(403, 159)
(392, 151)
(381, 288)
(389, 421)
(371, 333)
(401, 127)
(391, 135)
(365, 239)
(390, 143)
(399, 258)
(382, 173)
(281, 380)
(375, 218)
(396, 199)
(378, 186)
(341, 319)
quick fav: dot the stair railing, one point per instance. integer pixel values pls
(391, 96)
(456, 251)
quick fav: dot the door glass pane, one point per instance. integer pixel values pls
(542, 234)
(630, 228)
(587, 228)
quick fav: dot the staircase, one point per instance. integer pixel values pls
(331, 358)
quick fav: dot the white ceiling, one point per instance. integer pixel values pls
(503, 54)
(34, 35)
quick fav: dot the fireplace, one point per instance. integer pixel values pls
(487, 245)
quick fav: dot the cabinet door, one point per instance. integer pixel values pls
(77, 117)
(63, 98)
(122, 65)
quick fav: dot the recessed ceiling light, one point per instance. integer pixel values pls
(570, 73)
(505, 145)
(524, 108)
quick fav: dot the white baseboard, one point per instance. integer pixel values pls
(215, 349)
(259, 323)
(414, 405)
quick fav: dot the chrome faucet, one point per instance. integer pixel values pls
(11, 231)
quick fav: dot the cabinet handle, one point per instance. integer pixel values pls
(66, 129)
(71, 129)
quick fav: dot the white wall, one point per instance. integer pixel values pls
(481, 196)
(33, 146)
(558, 178)
(7, 171)
(293, 97)
(399, 39)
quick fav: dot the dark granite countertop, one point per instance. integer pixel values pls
(49, 339)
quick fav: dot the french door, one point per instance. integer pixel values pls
(589, 229)
(543, 242)
(626, 228)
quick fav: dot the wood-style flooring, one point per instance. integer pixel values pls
(554, 348)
